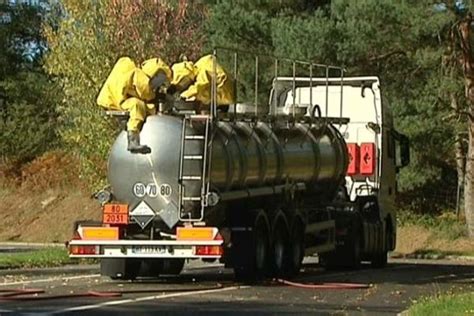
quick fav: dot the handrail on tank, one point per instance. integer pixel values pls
(277, 61)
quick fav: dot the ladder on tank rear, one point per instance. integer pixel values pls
(185, 158)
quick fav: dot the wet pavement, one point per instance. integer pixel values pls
(211, 289)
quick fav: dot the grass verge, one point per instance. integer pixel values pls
(450, 304)
(41, 258)
(445, 225)
(433, 254)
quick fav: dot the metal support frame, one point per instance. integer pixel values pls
(213, 117)
(203, 177)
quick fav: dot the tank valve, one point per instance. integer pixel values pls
(212, 199)
(103, 196)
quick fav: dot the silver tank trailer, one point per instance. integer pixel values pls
(245, 155)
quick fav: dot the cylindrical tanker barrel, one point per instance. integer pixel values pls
(244, 155)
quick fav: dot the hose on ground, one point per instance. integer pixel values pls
(325, 286)
(32, 294)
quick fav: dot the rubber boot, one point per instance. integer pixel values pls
(134, 144)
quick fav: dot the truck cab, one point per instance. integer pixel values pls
(376, 150)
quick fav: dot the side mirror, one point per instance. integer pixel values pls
(404, 151)
(3, 98)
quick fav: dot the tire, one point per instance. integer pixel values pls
(157, 267)
(250, 251)
(380, 260)
(280, 246)
(120, 269)
(172, 266)
(347, 256)
(354, 255)
(296, 248)
(151, 268)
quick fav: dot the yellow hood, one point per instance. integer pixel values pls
(151, 67)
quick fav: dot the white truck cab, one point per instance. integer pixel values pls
(376, 150)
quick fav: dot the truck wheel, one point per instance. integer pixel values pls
(172, 266)
(250, 250)
(354, 254)
(347, 256)
(296, 249)
(157, 267)
(379, 260)
(151, 268)
(280, 254)
(120, 269)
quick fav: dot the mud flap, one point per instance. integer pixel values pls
(120, 269)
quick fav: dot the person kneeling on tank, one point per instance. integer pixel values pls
(193, 82)
(133, 89)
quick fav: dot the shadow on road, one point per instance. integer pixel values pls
(409, 273)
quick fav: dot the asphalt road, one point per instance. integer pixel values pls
(211, 290)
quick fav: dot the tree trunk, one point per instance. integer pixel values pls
(468, 68)
(459, 154)
(469, 183)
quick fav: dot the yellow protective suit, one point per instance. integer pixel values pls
(128, 89)
(200, 90)
(183, 75)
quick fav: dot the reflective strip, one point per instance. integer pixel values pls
(119, 243)
(99, 233)
(196, 233)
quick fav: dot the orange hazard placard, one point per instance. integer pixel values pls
(367, 159)
(195, 233)
(99, 233)
(353, 167)
(115, 214)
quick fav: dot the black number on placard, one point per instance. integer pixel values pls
(165, 190)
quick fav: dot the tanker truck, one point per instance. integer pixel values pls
(313, 172)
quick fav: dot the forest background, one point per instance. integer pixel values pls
(55, 55)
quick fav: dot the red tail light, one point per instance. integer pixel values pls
(83, 250)
(353, 150)
(209, 251)
(367, 159)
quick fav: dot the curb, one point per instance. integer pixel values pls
(29, 244)
(429, 256)
(68, 269)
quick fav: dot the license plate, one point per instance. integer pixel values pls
(115, 214)
(149, 250)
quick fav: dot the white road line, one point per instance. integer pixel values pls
(87, 276)
(144, 298)
(325, 275)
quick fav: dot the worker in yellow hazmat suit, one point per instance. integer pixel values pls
(194, 81)
(183, 76)
(130, 88)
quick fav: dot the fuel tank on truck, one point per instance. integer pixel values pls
(245, 155)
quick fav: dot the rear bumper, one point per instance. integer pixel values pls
(145, 249)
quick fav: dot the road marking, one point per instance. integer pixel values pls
(144, 298)
(51, 279)
(325, 275)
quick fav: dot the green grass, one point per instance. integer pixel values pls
(433, 254)
(446, 225)
(47, 257)
(450, 304)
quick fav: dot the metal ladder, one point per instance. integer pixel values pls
(204, 157)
